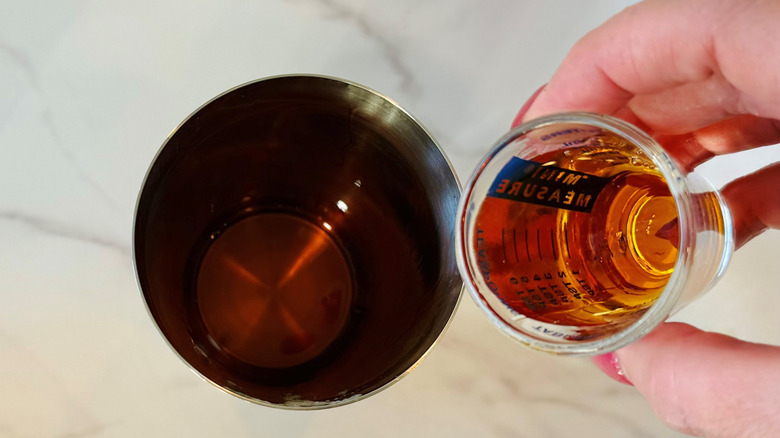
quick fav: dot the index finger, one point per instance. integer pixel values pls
(707, 59)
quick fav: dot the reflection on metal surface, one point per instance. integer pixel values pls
(366, 281)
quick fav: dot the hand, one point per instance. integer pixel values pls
(703, 77)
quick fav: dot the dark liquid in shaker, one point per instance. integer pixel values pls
(271, 296)
(293, 244)
(273, 290)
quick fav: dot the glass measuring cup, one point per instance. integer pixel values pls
(578, 234)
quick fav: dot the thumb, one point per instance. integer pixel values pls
(706, 384)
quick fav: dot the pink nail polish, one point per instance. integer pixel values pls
(609, 364)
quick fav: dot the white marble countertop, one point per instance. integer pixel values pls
(90, 89)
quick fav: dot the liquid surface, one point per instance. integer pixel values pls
(274, 290)
(582, 268)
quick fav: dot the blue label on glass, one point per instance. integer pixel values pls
(528, 181)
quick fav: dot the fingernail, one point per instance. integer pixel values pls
(609, 364)
(520, 114)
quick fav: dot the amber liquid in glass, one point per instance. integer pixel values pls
(579, 268)
(273, 290)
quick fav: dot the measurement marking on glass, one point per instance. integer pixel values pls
(527, 252)
(566, 237)
(552, 245)
(539, 244)
(503, 244)
(514, 243)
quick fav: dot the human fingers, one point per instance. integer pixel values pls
(710, 55)
(754, 201)
(726, 136)
(690, 149)
(705, 384)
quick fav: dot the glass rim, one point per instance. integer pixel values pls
(666, 301)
